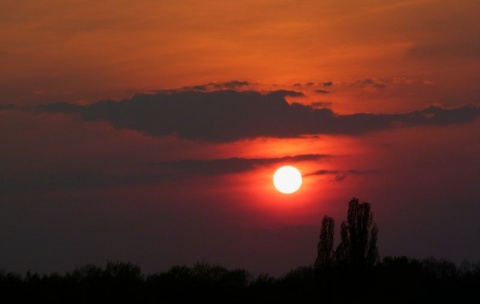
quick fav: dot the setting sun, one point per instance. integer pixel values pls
(287, 179)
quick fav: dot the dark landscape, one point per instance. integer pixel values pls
(352, 273)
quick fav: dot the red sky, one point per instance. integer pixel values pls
(377, 100)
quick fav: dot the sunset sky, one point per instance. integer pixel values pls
(149, 131)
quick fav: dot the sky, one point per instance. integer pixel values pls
(149, 131)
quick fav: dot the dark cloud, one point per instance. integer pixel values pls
(90, 177)
(340, 175)
(69, 179)
(66, 108)
(370, 82)
(228, 115)
(230, 165)
(7, 107)
(362, 172)
(230, 85)
(327, 84)
(235, 84)
(285, 93)
(322, 172)
(322, 91)
(307, 84)
(320, 104)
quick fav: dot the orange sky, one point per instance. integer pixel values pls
(422, 51)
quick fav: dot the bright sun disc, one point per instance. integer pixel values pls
(287, 179)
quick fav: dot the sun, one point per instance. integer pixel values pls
(287, 179)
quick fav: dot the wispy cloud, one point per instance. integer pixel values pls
(340, 175)
(230, 85)
(370, 82)
(231, 165)
(148, 172)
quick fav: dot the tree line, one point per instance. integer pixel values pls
(353, 272)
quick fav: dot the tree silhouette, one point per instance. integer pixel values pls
(325, 251)
(358, 237)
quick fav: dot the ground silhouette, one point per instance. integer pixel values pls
(352, 273)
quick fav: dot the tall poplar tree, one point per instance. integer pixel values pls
(358, 244)
(325, 251)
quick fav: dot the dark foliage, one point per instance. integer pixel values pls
(395, 279)
(325, 253)
(358, 246)
(391, 280)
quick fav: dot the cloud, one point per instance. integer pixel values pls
(230, 85)
(322, 172)
(327, 84)
(228, 115)
(322, 91)
(285, 93)
(307, 84)
(340, 175)
(7, 107)
(230, 165)
(66, 108)
(321, 104)
(370, 82)
(362, 172)
(73, 178)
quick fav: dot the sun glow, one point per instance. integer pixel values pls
(287, 179)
